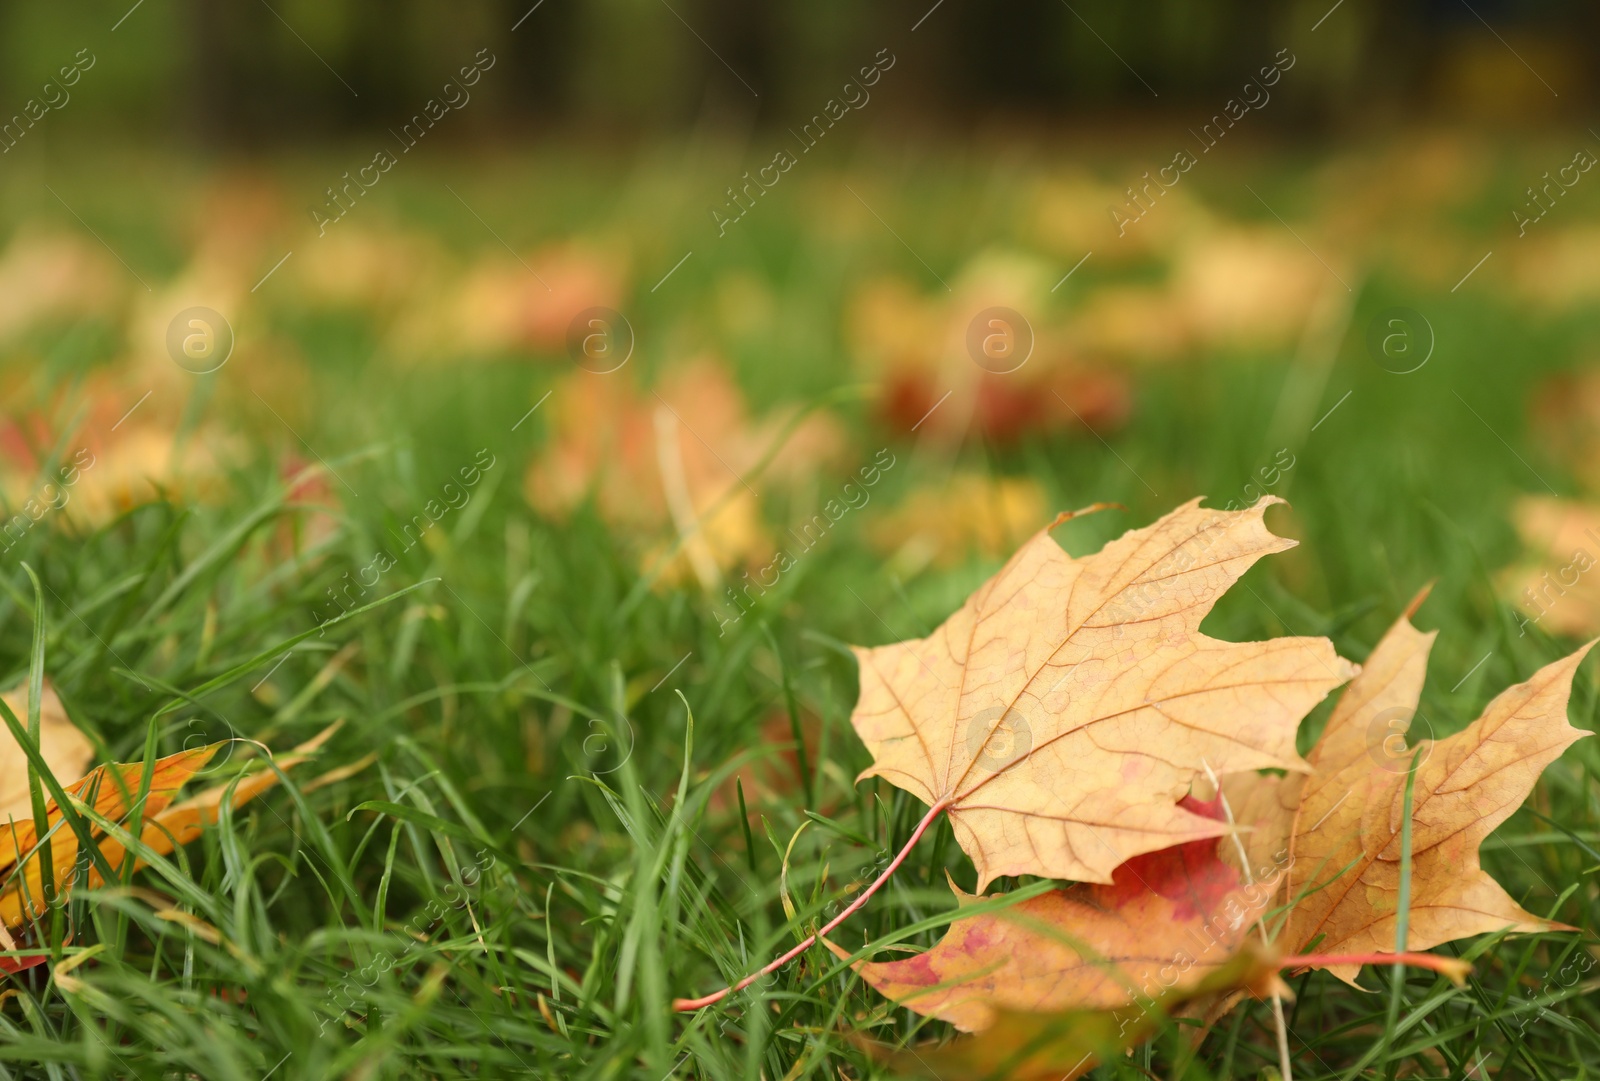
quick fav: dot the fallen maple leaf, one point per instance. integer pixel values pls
(1167, 921)
(1339, 829)
(165, 824)
(65, 749)
(1061, 715)
(1066, 1044)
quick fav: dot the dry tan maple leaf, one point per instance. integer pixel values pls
(1165, 923)
(1336, 832)
(1061, 715)
(65, 749)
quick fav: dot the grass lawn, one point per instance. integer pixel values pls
(548, 845)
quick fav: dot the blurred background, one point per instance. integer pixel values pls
(250, 75)
(684, 265)
(682, 268)
(672, 344)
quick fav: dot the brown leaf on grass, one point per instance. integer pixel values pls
(921, 351)
(1066, 1044)
(1553, 584)
(1062, 714)
(1166, 922)
(165, 824)
(65, 749)
(673, 457)
(1340, 826)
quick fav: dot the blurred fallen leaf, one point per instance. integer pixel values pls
(1564, 416)
(969, 514)
(918, 349)
(1552, 584)
(1227, 287)
(48, 276)
(1553, 267)
(117, 447)
(678, 456)
(1250, 287)
(386, 273)
(502, 302)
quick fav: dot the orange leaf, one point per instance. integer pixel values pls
(183, 822)
(17, 840)
(165, 824)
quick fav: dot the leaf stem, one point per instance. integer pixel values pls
(1453, 967)
(685, 1004)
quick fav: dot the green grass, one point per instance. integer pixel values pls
(545, 852)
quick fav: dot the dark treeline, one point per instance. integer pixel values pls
(262, 70)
